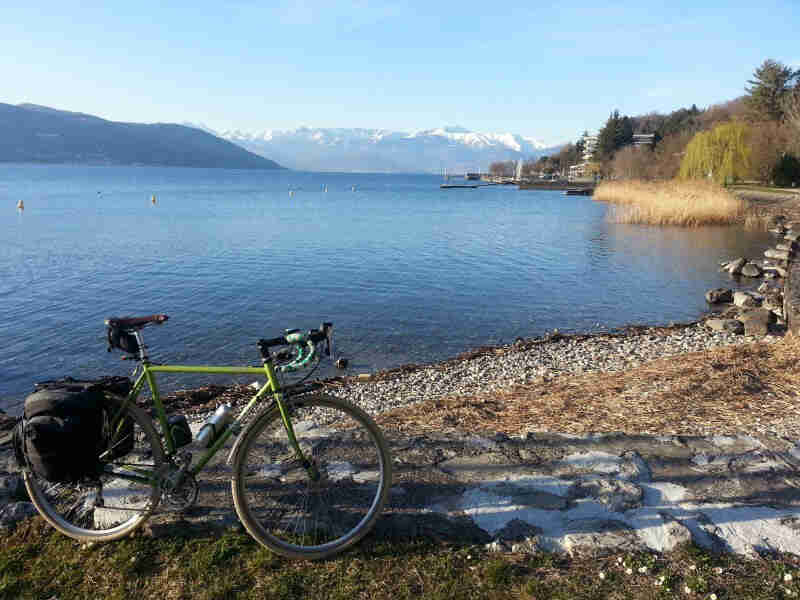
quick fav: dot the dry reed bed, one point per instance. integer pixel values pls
(732, 390)
(692, 203)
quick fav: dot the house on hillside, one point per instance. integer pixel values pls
(644, 139)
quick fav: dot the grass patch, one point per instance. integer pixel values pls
(36, 562)
(692, 203)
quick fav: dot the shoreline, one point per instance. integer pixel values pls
(493, 369)
(487, 370)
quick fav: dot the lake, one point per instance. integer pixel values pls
(406, 271)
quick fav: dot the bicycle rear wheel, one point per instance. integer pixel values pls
(279, 504)
(116, 502)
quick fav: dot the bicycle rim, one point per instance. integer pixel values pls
(277, 500)
(109, 506)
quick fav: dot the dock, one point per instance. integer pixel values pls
(447, 186)
(562, 185)
(582, 191)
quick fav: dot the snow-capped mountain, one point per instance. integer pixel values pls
(381, 150)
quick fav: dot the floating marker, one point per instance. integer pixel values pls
(153, 199)
(20, 205)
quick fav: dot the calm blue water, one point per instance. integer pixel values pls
(406, 271)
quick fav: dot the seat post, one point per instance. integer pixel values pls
(142, 348)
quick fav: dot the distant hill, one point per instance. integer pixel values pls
(32, 133)
(382, 150)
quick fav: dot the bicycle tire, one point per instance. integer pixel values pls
(87, 512)
(268, 483)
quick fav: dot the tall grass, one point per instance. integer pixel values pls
(692, 203)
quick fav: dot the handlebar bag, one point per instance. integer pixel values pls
(122, 340)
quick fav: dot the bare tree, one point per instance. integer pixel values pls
(791, 114)
(632, 163)
(769, 141)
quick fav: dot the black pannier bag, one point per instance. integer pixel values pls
(66, 428)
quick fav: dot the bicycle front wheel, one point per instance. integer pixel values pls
(115, 502)
(281, 505)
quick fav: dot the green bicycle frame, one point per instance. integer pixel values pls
(271, 386)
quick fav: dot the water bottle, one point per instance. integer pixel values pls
(221, 418)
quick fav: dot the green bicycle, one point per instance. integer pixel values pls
(310, 472)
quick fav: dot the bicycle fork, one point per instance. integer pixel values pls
(310, 468)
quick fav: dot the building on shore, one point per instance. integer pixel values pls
(644, 139)
(589, 146)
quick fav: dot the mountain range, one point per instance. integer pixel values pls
(380, 150)
(33, 133)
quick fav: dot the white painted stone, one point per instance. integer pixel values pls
(595, 461)
(658, 530)
(338, 471)
(367, 477)
(663, 494)
(723, 440)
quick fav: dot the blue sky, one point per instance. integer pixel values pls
(541, 69)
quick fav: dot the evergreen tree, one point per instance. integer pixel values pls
(607, 137)
(623, 135)
(769, 88)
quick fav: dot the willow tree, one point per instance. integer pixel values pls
(721, 154)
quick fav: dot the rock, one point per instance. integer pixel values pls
(617, 494)
(12, 488)
(777, 220)
(15, 512)
(788, 247)
(719, 296)
(764, 287)
(599, 537)
(747, 299)
(526, 496)
(517, 536)
(671, 534)
(735, 266)
(756, 322)
(774, 271)
(751, 270)
(792, 236)
(728, 325)
(777, 254)
(7, 422)
(773, 299)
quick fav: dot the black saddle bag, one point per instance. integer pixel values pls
(68, 429)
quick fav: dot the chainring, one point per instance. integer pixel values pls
(183, 496)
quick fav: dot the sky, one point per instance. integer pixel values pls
(547, 70)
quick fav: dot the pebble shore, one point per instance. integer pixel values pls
(502, 368)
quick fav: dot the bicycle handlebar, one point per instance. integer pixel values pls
(304, 342)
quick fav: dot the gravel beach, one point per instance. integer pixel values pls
(498, 369)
